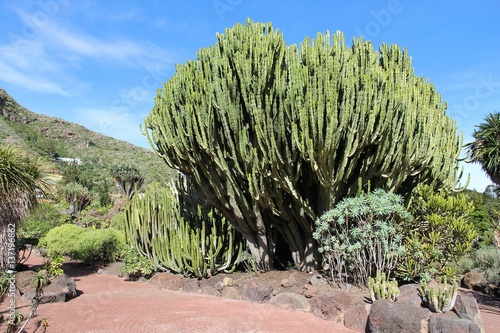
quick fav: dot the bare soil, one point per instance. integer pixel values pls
(107, 303)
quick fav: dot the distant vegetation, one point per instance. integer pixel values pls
(50, 138)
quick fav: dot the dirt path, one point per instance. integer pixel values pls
(490, 311)
(109, 304)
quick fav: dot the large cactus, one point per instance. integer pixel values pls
(176, 231)
(276, 134)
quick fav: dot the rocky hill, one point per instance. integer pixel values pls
(53, 138)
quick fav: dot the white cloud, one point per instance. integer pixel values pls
(46, 58)
(30, 82)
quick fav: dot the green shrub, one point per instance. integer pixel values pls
(98, 245)
(487, 259)
(86, 244)
(359, 236)
(62, 240)
(135, 265)
(439, 233)
(53, 266)
(118, 222)
(40, 220)
(6, 280)
(485, 217)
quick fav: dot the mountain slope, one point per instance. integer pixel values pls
(50, 138)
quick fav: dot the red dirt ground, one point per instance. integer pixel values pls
(109, 304)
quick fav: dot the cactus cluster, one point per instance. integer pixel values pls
(276, 134)
(177, 233)
(381, 287)
(440, 299)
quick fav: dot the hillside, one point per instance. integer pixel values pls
(52, 138)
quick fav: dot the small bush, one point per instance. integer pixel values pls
(53, 266)
(62, 240)
(487, 259)
(136, 265)
(40, 220)
(97, 245)
(118, 222)
(439, 233)
(359, 236)
(86, 244)
(5, 283)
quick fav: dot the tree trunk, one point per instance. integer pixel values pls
(309, 263)
(259, 249)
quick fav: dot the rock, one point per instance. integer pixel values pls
(309, 291)
(387, 317)
(61, 289)
(291, 301)
(466, 308)
(356, 317)
(254, 292)
(209, 290)
(167, 281)
(227, 282)
(450, 324)
(44, 273)
(317, 280)
(491, 289)
(219, 286)
(113, 269)
(287, 283)
(231, 293)
(41, 251)
(191, 285)
(408, 293)
(24, 284)
(331, 306)
(23, 280)
(473, 278)
(142, 279)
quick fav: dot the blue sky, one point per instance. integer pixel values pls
(99, 63)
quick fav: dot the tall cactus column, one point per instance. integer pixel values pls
(177, 231)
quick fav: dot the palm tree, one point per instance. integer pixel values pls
(486, 147)
(20, 180)
(127, 177)
(78, 197)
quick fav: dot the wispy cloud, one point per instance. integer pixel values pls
(45, 59)
(12, 75)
